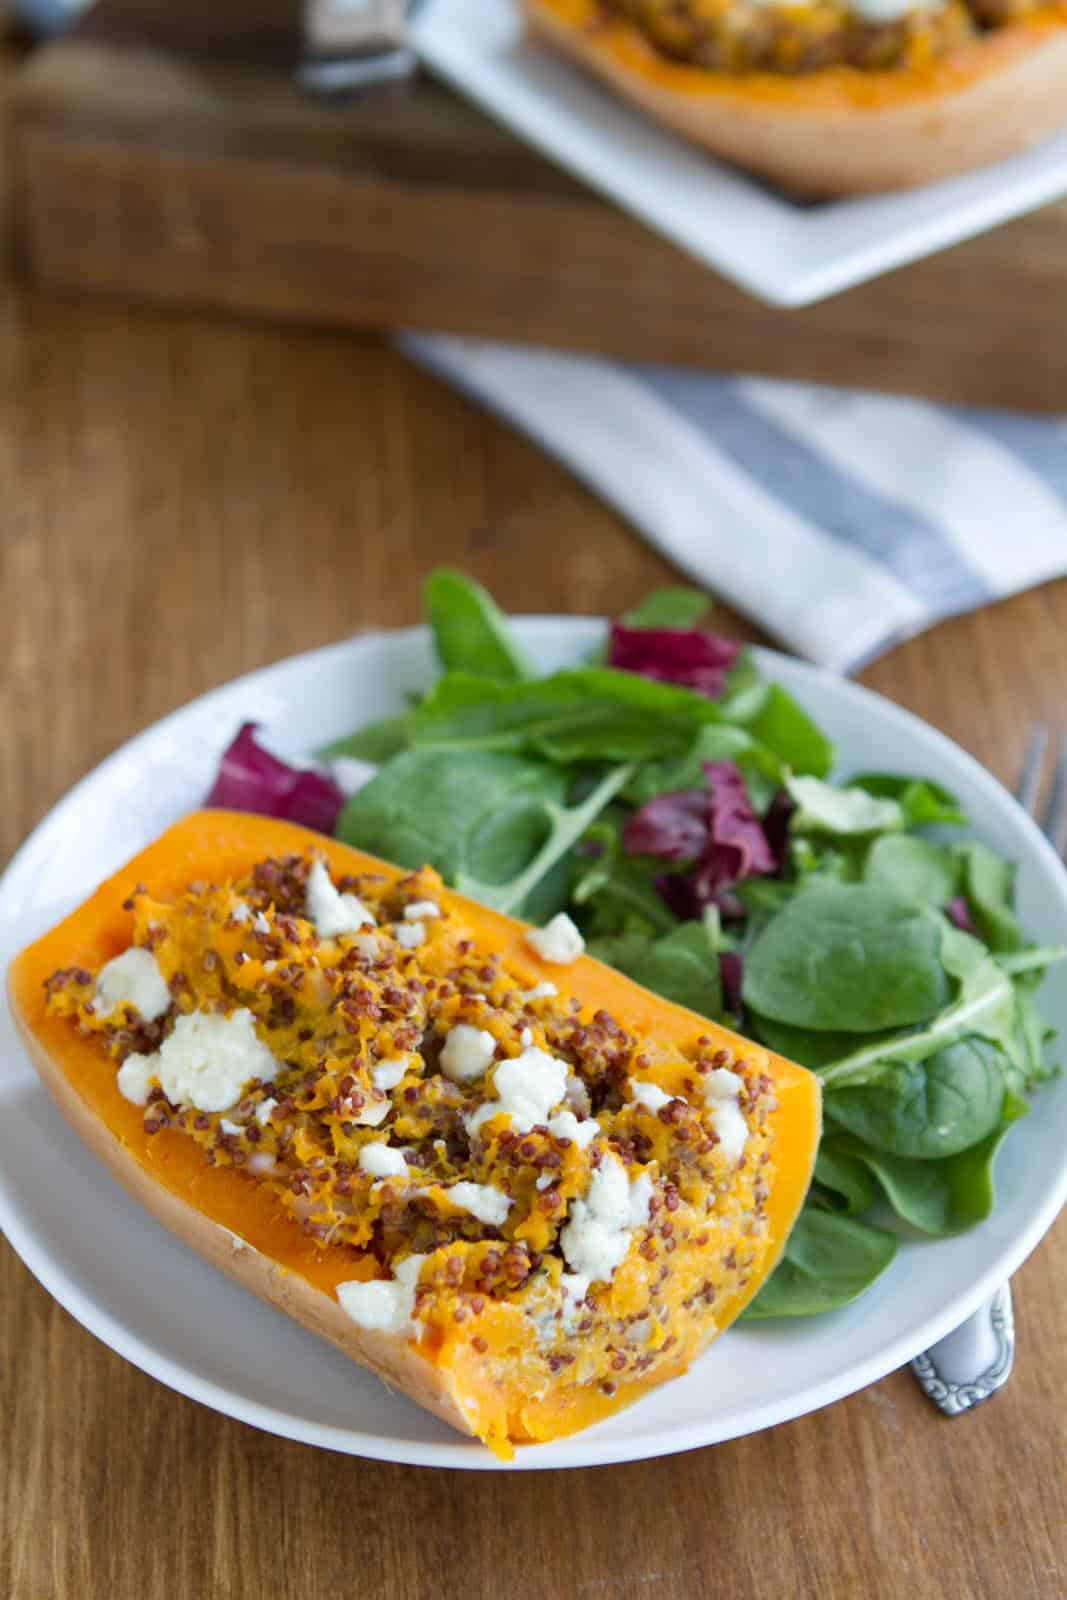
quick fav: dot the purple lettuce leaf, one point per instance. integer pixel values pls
(251, 779)
(737, 847)
(690, 657)
(674, 826)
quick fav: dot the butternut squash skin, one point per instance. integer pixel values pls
(839, 130)
(239, 1226)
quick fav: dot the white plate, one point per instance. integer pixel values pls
(787, 253)
(156, 1303)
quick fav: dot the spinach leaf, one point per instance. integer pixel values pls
(849, 812)
(587, 713)
(807, 1046)
(828, 1261)
(921, 800)
(926, 1109)
(378, 742)
(940, 1197)
(985, 1005)
(745, 691)
(470, 633)
(681, 966)
(494, 825)
(669, 608)
(780, 724)
(842, 1182)
(989, 886)
(847, 958)
(920, 871)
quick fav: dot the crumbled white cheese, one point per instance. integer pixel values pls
(420, 910)
(597, 1236)
(721, 1084)
(136, 1077)
(731, 1127)
(382, 1161)
(527, 1088)
(649, 1095)
(489, 1205)
(387, 1074)
(230, 1127)
(540, 991)
(263, 1111)
(132, 979)
(331, 912)
(384, 1306)
(578, 1096)
(261, 1162)
(526, 1038)
(466, 1053)
(240, 912)
(261, 923)
(367, 946)
(371, 1114)
(722, 1089)
(545, 1180)
(558, 941)
(409, 934)
(207, 1061)
(580, 1131)
(575, 1287)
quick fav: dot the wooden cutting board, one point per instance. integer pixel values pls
(166, 154)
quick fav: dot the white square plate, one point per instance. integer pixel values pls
(787, 253)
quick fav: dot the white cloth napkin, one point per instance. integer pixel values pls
(841, 522)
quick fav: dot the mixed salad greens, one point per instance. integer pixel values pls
(679, 807)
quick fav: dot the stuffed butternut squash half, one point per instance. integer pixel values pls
(831, 97)
(511, 1182)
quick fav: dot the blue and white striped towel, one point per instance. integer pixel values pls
(841, 522)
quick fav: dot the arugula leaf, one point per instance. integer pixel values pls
(842, 1182)
(989, 887)
(924, 872)
(921, 800)
(847, 958)
(927, 1109)
(470, 632)
(786, 729)
(669, 608)
(829, 1260)
(378, 742)
(681, 966)
(940, 1197)
(847, 812)
(584, 714)
(619, 890)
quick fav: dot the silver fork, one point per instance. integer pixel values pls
(975, 1360)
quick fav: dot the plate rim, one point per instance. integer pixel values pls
(580, 1450)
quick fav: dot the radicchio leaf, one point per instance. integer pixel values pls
(687, 656)
(959, 913)
(731, 972)
(715, 828)
(250, 778)
(737, 847)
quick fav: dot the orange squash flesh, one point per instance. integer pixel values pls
(488, 1388)
(839, 129)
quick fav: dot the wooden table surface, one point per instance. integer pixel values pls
(186, 499)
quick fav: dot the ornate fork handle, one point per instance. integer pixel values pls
(990, 1332)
